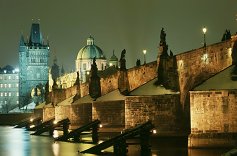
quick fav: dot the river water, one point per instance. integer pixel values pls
(19, 142)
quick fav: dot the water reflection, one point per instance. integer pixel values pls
(55, 147)
(18, 142)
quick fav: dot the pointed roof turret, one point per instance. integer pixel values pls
(35, 35)
(113, 57)
(62, 70)
(22, 42)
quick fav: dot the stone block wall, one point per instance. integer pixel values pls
(110, 113)
(14, 118)
(138, 76)
(61, 94)
(48, 113)
(213, 111)
(109, 84)
(84, 89)
(78, 114)
(163, 110)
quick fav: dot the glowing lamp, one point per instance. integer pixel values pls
(154, 131)
(204, 30)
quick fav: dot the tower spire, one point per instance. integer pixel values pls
(35, 35)
(22, 42)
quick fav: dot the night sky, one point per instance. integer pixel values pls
(133, 25)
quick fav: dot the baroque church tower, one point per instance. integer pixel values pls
(33, 64)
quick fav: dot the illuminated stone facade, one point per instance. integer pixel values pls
(33, 65)
(85, 59)
(9, 89)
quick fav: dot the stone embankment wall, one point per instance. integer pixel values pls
(14, 118)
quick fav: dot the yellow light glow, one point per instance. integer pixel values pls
(55, 122)
(204, 58)
(144, 51)
(230, 52)
(180, 64)
(55, 134)
(154, 131)
(100, 141)
(100, 125)
(31, 126)
(204, 29)
(110, 64)
(31, 120)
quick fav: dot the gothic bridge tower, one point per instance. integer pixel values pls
(33, 64)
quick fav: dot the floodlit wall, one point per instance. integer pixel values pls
(213, 111)
(163, 111)
(110, 113)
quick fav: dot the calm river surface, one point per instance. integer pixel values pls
(19, 142)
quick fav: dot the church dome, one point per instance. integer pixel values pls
(90, 51)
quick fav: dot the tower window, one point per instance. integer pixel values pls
(84, 66)
(38, 75)
(9, 77)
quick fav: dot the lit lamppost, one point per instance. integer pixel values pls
(144, 52)
(204, 30)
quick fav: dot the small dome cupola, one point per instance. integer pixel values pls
(90, 41)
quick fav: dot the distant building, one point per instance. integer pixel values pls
(9, 89)
(113, 61)
(34, 68)
(85, 59)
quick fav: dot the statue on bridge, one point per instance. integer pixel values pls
(123, 60)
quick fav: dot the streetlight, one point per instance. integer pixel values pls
(204, 30)
(144, 52)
